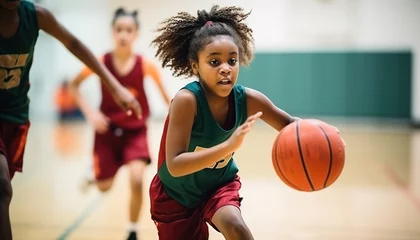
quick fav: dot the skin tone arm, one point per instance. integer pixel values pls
(151, 70)
(180, 162)
(95, 117)
(50, 25)
(273, 116)
(98, 120)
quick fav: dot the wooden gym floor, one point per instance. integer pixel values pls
(376, 197)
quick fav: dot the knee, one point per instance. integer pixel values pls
(6, 191)
(104, 186)
(235, 228)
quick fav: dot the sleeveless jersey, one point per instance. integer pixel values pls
(134, 81)
(192, 189)
(16, 56)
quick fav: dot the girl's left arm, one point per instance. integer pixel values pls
(272, 115)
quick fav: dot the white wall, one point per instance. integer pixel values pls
(278, 25)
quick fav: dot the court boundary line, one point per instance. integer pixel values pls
(87, 211)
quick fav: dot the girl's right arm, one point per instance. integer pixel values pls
(93, 116)
(180, 162)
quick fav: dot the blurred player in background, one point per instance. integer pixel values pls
(20, 22)
(66, 105)
(120, 139)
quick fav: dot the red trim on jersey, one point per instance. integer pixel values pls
(162, 149)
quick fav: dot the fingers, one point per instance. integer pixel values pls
(296, 118)
(134, 106)
(344, 143)
(102, 127)
(101, 130)
(100, 122)
(254, 117)
(338, 132)
(247, 126)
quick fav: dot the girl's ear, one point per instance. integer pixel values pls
(194, 67)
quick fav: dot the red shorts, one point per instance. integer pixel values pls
(12, 144)
(116, 148)
(177, 222)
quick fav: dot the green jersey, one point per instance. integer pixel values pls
(192, 189)
(16, 56)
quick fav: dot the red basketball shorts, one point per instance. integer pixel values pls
(177, 222)
(117, 147)
(12, 144)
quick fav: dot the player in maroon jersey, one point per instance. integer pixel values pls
(20, 24)
(119, 139)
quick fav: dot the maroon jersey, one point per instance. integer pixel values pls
(133, 81)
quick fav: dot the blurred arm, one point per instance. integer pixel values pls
(86, 108)
(152, 70)
(50, 25)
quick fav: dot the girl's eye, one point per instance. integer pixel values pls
(232, 61)
(214, 62)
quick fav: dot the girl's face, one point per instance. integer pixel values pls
(218, 65)
(124, 32)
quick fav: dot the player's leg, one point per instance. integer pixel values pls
(12, 148)
(136, 171)
(87, 180)
(104, 185)
(174, 221)
(106, 160)
(5, 198)
(229, 222)
(222, 211)
(136, 157)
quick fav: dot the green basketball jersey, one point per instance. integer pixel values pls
(16, 55)
(192, 189)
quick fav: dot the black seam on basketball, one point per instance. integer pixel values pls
(302, 158)
(278, 166)
(331, 156)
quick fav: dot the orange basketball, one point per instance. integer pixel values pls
(308, 155)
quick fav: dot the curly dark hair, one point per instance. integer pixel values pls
(120, 12)
(183, 36)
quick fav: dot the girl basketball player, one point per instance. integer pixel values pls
(20, 22)
(120, 139)
(197, 180)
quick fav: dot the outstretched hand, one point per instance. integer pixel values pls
(235, 141)
(127, 101)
